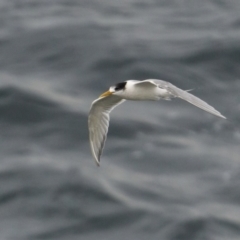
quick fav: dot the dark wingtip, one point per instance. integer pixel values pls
(97, 162)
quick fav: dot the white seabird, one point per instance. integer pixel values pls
(150, 89)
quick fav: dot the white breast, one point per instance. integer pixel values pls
(143, 92)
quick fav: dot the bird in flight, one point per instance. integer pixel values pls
(150, 89)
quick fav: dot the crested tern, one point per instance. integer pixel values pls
(150, 89)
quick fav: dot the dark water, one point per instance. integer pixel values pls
(169, 170)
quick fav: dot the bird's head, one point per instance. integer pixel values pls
(117, 89)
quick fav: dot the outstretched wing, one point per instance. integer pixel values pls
(98, 122)
(185, 95)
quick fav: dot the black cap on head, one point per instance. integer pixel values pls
(120, 86)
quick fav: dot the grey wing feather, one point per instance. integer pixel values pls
(98, 122)
(185, 95)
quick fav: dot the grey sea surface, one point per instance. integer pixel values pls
(168, 170)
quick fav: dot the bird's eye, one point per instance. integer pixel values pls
(120, 86)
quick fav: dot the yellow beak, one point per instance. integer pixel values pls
(105, 94)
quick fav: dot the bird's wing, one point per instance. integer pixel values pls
(185, 95)
(98, 122)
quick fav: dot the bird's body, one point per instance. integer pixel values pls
(150, 90)
(143, 91)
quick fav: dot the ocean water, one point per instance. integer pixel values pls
(168, 170)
